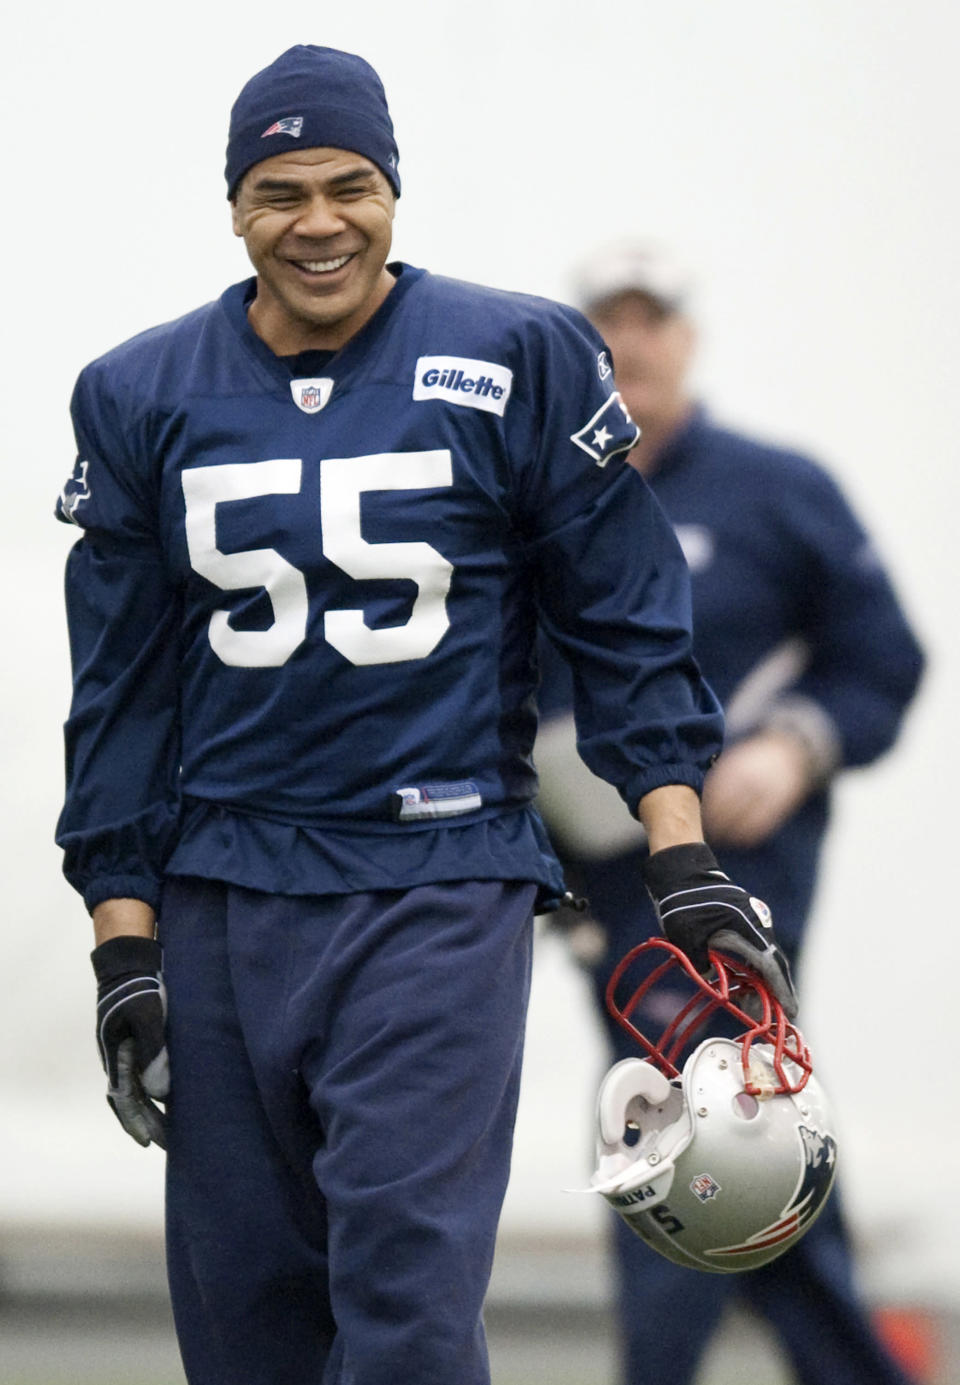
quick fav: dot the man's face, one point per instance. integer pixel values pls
(317, 225)
(652, 349)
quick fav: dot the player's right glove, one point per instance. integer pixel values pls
(698, 907)
(131, 1015)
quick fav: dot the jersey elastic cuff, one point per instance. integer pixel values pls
(142, 887)
(658, 777)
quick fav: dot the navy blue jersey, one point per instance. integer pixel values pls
(303, 608)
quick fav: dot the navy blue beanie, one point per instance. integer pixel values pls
(311, 97)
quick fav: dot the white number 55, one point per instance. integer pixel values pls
(343, 481)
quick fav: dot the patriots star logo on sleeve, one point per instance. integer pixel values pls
(609, 432)
(74, 493)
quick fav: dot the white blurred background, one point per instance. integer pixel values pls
(803, 157)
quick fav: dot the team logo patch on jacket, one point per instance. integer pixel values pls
(698, 545)
(311, 395)
(609, 432)
(459, 380)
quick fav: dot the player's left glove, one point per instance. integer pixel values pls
(698, 906)
(131, 1015)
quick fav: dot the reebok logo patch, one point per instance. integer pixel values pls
(418, 802)
(458, 380)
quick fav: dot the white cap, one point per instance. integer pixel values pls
(633, 267)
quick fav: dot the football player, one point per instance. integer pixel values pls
(322, 517)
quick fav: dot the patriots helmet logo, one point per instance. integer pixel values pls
(289, 125)
(816, 1179)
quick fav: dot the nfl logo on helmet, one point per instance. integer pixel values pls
(704, 1187)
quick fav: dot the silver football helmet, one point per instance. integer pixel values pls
(724, 1165)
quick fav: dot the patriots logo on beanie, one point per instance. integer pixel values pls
(289, 125)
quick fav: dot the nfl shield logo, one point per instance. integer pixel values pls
(704, 1187)
(311, 395)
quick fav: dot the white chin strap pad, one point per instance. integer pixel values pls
(630, 1078)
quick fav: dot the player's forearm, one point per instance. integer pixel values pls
(116, 917)
(671, 816)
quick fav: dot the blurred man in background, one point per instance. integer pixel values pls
(798, 630)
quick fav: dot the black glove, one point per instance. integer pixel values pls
(131, 1011)
(700, 907)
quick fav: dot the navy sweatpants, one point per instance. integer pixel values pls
(344, 1078)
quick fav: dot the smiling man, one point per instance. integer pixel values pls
(317, 226)
(322, 518)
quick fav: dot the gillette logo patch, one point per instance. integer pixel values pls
(457, 380)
